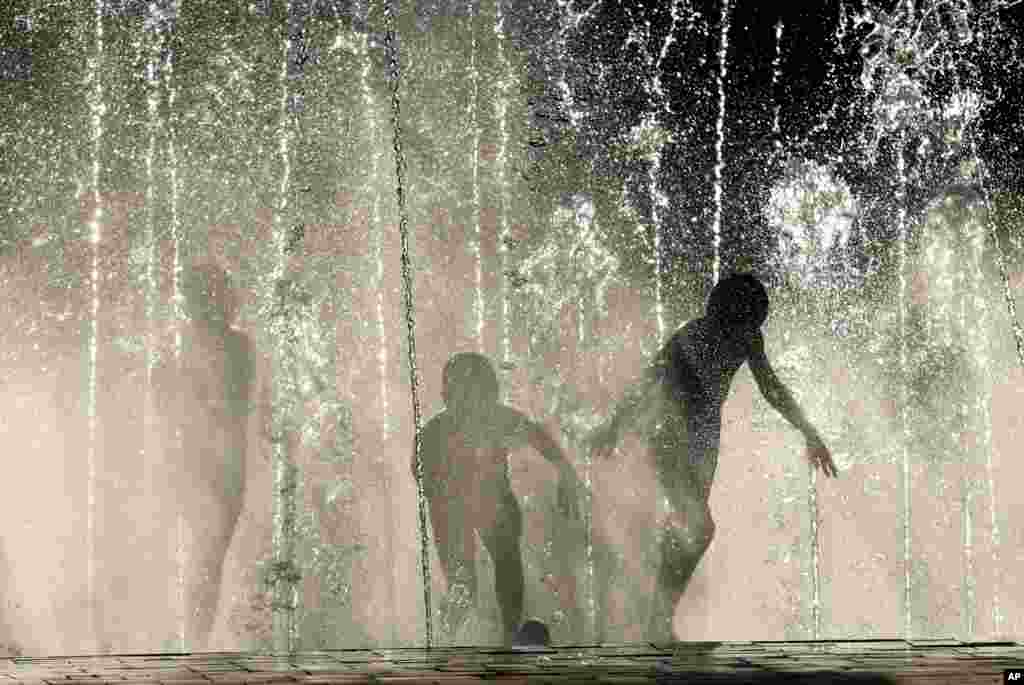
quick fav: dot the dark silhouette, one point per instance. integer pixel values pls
(677, 407)
(205, 403)
(465, 452)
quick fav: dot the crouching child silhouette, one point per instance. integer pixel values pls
(677, 408)
(466, 481)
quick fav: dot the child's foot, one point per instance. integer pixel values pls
(532, 634)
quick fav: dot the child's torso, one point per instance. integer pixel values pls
(476, 449)
(469, 468)
(714, 358)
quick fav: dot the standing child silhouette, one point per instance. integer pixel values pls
(207, 403)
(677, 407)
(465, 452)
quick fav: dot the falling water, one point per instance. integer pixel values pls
(152, 110)
(102, 87)
(812, 503)
(723, 66)
(960, 113)
(154, 69)
(776, 74)
(901, 223)
(394, 83)
(98, 108)
(584, 223)
(997, 616)
(660, 203)
(376, 231)
(504, 235)
(283, 509)
(181, 556)
(574, 19)
(945, 282)
(982, 399)
(474, 75)
(830, 74)
(588, 479)
(1011, 306)
(150, 450)
(903, 107)
(977, 343)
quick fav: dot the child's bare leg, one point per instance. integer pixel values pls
(502, 543)
(203, 586)
(456, 549)
(684, 539)
(688, 528)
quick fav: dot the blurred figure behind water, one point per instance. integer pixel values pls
(204, 406)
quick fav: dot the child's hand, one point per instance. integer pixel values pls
(820, 457)
(569, 493)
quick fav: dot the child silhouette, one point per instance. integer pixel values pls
(466, 481)
(677, 408)
(207, 402)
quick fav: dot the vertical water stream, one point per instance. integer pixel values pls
(723, 72)
(98, 107)
(285, 583)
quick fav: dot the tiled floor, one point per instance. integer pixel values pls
(863, 662)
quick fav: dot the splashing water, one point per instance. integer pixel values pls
(827, 204)
(504, 234)
(285, 591)
(907, 49)
(812, 211)
(901, 223)
(376, 229)
(153, 57)
(661, 201)
(474, 77)
(723, 72)
(776, 74)
(98, 108)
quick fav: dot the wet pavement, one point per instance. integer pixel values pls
(873, 661)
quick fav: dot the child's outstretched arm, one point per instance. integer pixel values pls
(568, 483)
(779, 396)
(604, 438)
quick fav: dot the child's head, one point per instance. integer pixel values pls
(739, 301)
(469, 383)
(208, 294)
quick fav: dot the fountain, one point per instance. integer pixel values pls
(561, 211)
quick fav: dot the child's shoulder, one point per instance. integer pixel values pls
(501, 420)
(436, 423)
